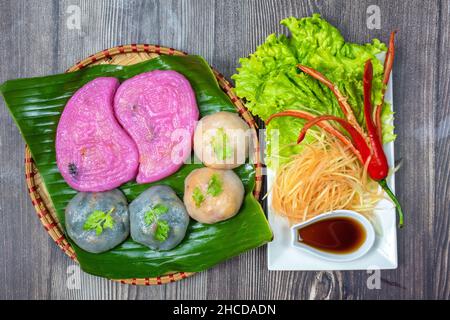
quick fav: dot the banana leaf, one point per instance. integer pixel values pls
(36, 105)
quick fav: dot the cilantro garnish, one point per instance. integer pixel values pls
(215, 185)
(153, 213)
(162, 226)
(214, 189)
(221, 145)
(162, 230)
(99, 220)
(198, 197)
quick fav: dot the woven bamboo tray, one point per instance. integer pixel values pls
(125, 55)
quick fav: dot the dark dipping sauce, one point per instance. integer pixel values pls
(335, 235)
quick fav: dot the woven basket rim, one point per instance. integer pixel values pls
(50, 223)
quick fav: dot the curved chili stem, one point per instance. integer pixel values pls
(326, 126)
(388, 64)
(342, 100)
(394, 199)
(380, 166)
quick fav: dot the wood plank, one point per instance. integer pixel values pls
(25, 249)
(439, 258)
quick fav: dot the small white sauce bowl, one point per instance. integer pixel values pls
(338, 257)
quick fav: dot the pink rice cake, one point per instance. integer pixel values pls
(93, 152)
(158, 109)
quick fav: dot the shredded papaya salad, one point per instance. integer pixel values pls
(314, 81)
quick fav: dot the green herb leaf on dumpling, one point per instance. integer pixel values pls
(162, 226)
(99, 220)
(152, 215)
(198, 197)
(221, 145)
(109, 222)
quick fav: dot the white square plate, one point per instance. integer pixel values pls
(383, 255)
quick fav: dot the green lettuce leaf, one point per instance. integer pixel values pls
(270, 82)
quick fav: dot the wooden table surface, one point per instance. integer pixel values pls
(40, 38)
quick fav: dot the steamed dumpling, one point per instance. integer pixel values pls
(221, 140)
(213, 195)
(158, 218)
(98, 221)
